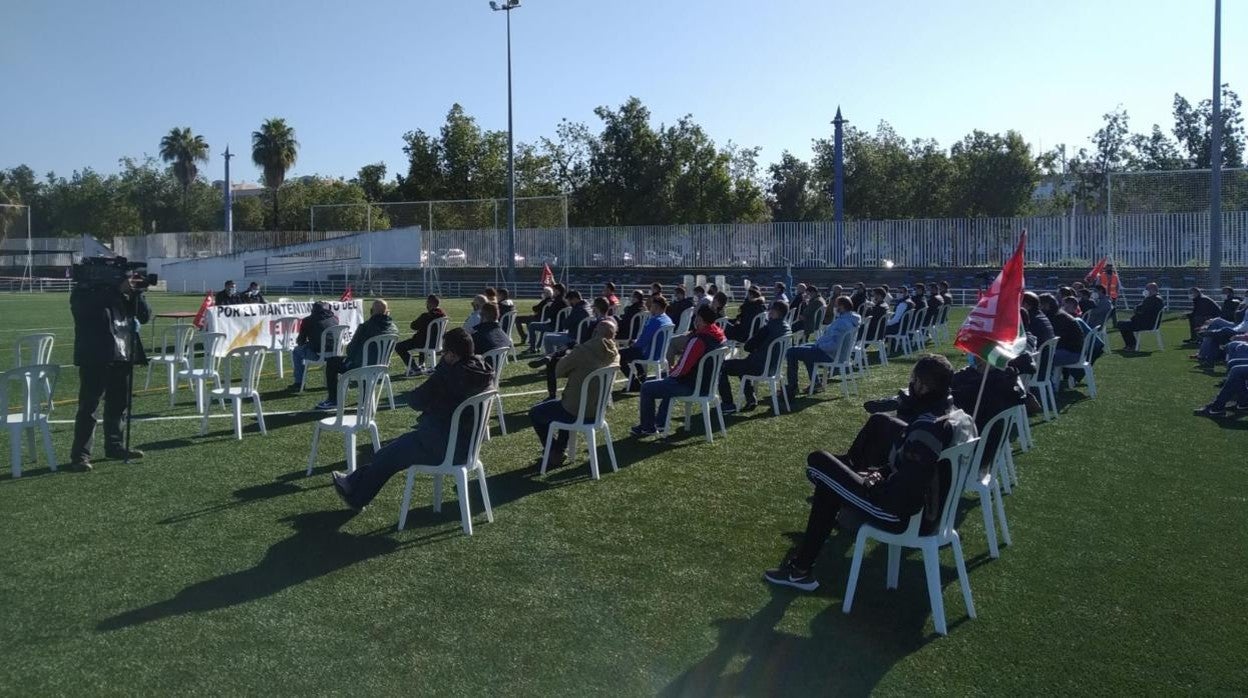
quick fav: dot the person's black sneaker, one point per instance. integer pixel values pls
(1209, 411)
(639, 432)
(557, 457)
(889, 404)
(343, 489)
(749, 406)
(728, 408)
(538, 363)
(327, 405)
(123, 454)
(80, 464)
(292, 388)
(787, 574)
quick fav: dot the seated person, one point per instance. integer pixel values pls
(1083, 301)
(378, 323)
(680, 380)
(308, 341)
(754, 305)
(1069, 334)
(679, 305)
(645, 347)
(890, 473)
(1102, 308)
(1098, 344)
(699, 297)
(1234, 389)
(551, 360)
(474, 318)
(656, 289)
(1037, 325)
(539, 314)
(825, 347)
(901, 305)
(1215, 335)
(460, 375)
(252, 294)
(227, 295)
(934, 303)
(753, 364)
(1204, 309)
(781, 293)
(1230, 304)
(558, 301)
(1144, 318)
(859, 297)
(564, 330)
(945, 296)
(637, 305)
(505, 303)
(677, 346)
(489, 335)
(876, 313)
(420, 333)
(599, 351)
(613, 301)
(814, 303)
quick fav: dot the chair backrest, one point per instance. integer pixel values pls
(1157, 322)
(561, 318)
(722, 322)
(706, 380)
(582, 330)
(368, 378)
(659, 343)
(284, 338)
(508, 322)
(820, 314)
(845, 349)
(496, 359)
(961, 460)
(477, 409)
(182, 337)
(686, 320)
(639, 321)
(791, 316)
(943, 318)
(433, 337)
(999, 424)
(1044, 359)
(38, 383)
(773, 360)
(601, 381)
(211, 341)
(903, 325)
(377, 350)
(864, 326)
(249, 361)
(331, 341)
(34, 349)
(757, 323)
(916, 318)
(1089, 342)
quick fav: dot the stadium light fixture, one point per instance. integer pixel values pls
(507, 7)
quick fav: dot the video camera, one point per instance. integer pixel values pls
(110, 272)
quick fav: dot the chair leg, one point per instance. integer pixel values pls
(148, 383)
(316, 442)
(437, 493)
(30, 444)
(784, 392)
(389, 391)
(1091, 381)
(854, 568)
(502, 420)
(281, 365)
(592, 443)
(259, 413)
(465, 507)
(376, 437)
(237, 406)
(485, 494)
(1000, 501)
(606, 437)
(15, 452)
(550, 439)
(706, 422)
(349, 439)
(719, 410)
(931, 564)
(990, 529)
(407, 497)
(894, 567)
(963, 581)
(47, 445)
(775, 400)
(203, 422)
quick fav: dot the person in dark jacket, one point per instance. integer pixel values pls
(754, 305)
(564, 332)
(227, 295)
(679, 304)
(1231, 304)
(808, 321)
(1037, 325)
(1204, 309)
(890, 473)
(755, 363)
(601, 308)
(1084, 299)
(488, 334)
(420, 333)
(505, 303)
(539, 314)
(859, 296)
(876, 313)
(378, 323)
(105, 330)
(550, 316)
(626, 319)
(934, 303)
(945, 296)
(308, 341)
(252, 294)
(681, 379)
(1069, 333)
(1144, 317)
(460, 375)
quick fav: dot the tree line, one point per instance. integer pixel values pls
(626, 170)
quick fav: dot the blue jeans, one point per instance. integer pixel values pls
(546, 412)
(538, 327)
(554, 341)
(1233, 389)
(1236, 351)
(1065, 357)
(809, 355)
(297, 357)
(395, 457)
(662, 391)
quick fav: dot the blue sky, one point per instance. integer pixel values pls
(87, 82)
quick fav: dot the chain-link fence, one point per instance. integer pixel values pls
(1162, 218)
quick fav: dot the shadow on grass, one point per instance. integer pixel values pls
(247, 495)
(287, 563)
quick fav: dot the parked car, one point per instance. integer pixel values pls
(454, 257)
(548, 258)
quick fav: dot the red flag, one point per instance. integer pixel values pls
(548, 277)
(1096, 270)
(203, 310)
(346, 295)
(991, 330)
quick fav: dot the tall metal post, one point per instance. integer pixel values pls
(1215, 156)
(507, 6)
(229, 203)
(838, 187)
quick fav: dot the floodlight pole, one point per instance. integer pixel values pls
(838, 186)
(508, 6)
(229, 203)
(1215, 156)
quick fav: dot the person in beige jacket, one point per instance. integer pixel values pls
(599, 352)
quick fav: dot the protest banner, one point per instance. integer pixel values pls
(258, 323)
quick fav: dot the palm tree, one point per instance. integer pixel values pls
(184, 149)
(273, 150)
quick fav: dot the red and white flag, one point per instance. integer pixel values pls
(203, 310)
(1096, 270)
(548, 276)
(346, 295)
(991, 330)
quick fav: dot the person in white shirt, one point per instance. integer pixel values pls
(474, 318)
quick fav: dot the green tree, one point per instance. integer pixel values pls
(1112, 154)
(372, 179)
(793, 194)
(1193, 127)
(995, 175)
(274, 150)
(184, 150)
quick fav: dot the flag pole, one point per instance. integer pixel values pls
(979, 398)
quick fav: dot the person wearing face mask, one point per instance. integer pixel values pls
(1102, 306)
(227, 295)
(1231, 304)
(825, 348)
(890, 473)
(1204, 309)
(1144, 318)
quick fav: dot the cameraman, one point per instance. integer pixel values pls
(106, 347)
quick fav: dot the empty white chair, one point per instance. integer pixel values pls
(368, 378)
(248, 362)
(1084, 363)
(940, 330)
(33, 349)
(705, 394)
(1042, 380)
(31, 387)
(659, 344)
(476, 410)
(282, 341)
(428, 354)
(377, 352)
(960, 463)
(843, 363)
(600, 380)
(197, 377)
(329, 344)
(496, 359)
(773, 363)
(1155, 332)
(177, 341)
(986, 479)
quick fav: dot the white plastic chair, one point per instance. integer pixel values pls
(960, 459)
(808, 332)
(1042, 380)
(180, 338)
(1155, 332)
(659, 345)
(38, 382)
(329, 344)
(381, 348)
(428, 354)
(773, 363)
(250, 361)
(636, 324)
(33, 349)
(901, 337)
(705, 394)
(197, 378)
(873, 338)
(496, 359)
(477, 409)
(368, 378)
(507, 323)
(1084, 363)
(685, 321)
(843, 363)
(940, 329)
(987, 480)
(858, 354)
(282, 341)
(918, 333)
(601, 380)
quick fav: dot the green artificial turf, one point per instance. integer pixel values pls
(214, 566)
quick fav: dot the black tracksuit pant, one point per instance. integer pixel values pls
(112, 382)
